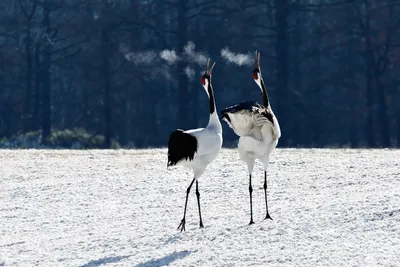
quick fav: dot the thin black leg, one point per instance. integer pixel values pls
(251, 200)
(182, 224)
(198, 203)
(265, 192)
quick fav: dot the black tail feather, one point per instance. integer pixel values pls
(181, 146)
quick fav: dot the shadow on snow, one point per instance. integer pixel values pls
(106, 260)
(165, 260)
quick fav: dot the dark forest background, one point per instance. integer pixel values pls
(128, 71)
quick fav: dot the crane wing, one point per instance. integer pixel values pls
(208, 141)
(181, 146)
(247, 118)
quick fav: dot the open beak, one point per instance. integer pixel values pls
(257, 60)
(208, 69)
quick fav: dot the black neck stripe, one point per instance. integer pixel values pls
(265, 94)
(212, 100)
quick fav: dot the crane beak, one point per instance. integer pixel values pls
(208, 69)
(257, 60)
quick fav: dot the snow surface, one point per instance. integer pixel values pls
(331, 207)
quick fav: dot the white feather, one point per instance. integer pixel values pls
(209, 142)
(209, 145)
(258, 135)
(254, 124)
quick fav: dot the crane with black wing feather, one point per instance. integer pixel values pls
(258, 129)
(195, 149)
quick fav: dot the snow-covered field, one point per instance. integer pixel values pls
(331, 207)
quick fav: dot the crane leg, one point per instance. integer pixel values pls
(251, 201)
(265, 192)
(198, 203)
(183, 221)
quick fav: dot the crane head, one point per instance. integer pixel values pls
(206, 78)
(257, 69)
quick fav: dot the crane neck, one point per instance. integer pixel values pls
(265, 94)
(213, 122)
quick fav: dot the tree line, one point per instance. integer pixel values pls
(130, 69)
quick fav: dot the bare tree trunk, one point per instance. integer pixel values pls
(183, 79)
(28, 13)
(398, 130)
(297, 74)
(38, 73)
(46, 86)
(28, 96)
(281, 48)
(354, 116)
(196, 98)
(369, 126)
(107, 96)
(383, 116)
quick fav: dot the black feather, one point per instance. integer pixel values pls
(181, 146)
(246, 105)
(266, 113)
(251, 106)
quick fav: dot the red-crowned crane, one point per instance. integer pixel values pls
(195, 149)
(258, 129)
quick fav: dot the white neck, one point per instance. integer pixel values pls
(214, 123)
(205, 86)
(258, 82)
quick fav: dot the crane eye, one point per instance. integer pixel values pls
(203, 80)
(255, 75)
